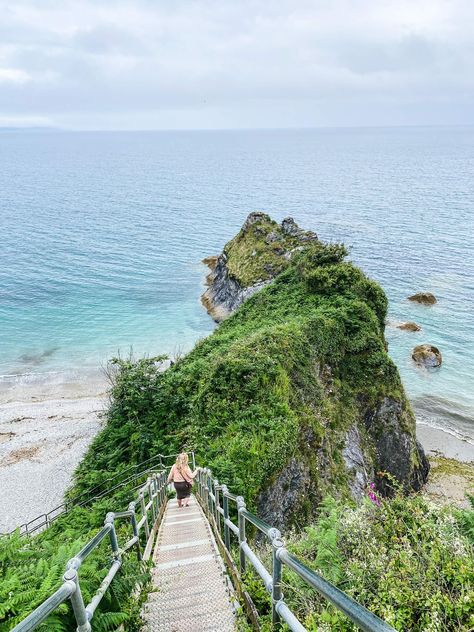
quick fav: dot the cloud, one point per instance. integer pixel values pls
(130, 63)
(13, 75)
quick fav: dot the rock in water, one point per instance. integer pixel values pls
(425, 298)
(409, 326)
(427, 355)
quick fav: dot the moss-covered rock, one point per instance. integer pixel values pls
(409, 326)
(425, 298)
(292, 397)
(254, 257)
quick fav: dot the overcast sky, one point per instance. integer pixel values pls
(154, 64)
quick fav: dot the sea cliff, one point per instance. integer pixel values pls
(293, 396)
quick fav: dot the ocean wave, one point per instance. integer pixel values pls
(452, 417)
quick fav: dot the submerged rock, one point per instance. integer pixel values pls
(409, 326)
(425, 298)
(427, 355)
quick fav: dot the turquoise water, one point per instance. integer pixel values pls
(102, 235)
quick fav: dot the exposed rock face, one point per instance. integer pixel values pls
(395, 449)
(278, 501)
(356, 465)
(425, 298)
(409, 326)
(226, 291)
(427, 356)
(225, 294)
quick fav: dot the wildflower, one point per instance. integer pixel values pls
(372, 495)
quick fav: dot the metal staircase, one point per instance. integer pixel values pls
(194, 550)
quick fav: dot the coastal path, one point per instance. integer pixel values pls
(191, 589)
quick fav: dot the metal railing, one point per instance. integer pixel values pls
(143, 513)
(129, 475)
(210, 493)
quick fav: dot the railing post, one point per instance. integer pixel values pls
(150, 496)
(217, 505)
(208, 491)
(133, 519)
(156, 494)
(240, 509)
(77, 602)
(225, 506)
(163, 487)
(144, 513)
(199, 476)
(193, 458)
(110, 519)
(277, 544)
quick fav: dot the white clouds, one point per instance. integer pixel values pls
(220, 60)
(13, 75)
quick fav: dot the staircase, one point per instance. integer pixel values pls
(191, 592)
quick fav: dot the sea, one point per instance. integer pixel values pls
(102, 236)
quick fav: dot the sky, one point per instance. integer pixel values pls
(200, 64)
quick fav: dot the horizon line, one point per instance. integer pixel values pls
(25, 128)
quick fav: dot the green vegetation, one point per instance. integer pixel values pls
(283, 379)
(257, 252)
(32, 569)
(406, 559)
(303, 357)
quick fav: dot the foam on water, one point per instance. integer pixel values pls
(102, 236)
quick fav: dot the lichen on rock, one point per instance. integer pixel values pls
(252, 259)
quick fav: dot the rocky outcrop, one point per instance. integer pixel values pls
(396, 452)
(315, 346)
(409, 326)
(427, 356)
(278, 502)
(224, 293)
(425, 298)
(276, 244)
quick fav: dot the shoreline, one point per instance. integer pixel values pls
(439, 442)
(45, 430)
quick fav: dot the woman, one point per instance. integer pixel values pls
(182, 477)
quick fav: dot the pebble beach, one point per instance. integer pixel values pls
(41, 444)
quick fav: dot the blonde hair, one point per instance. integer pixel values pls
(182, 461)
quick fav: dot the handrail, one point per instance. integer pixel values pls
(28, 528)
(209, 492)
(155, 490)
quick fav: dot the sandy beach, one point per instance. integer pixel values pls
(41, 443)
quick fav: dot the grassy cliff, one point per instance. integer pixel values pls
(293, 396)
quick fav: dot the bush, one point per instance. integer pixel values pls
(406, 559)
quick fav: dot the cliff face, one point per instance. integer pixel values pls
(380, 441)
(292, 397)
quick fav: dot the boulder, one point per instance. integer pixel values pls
(409, 326)
(424, 298)
(427, 356)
